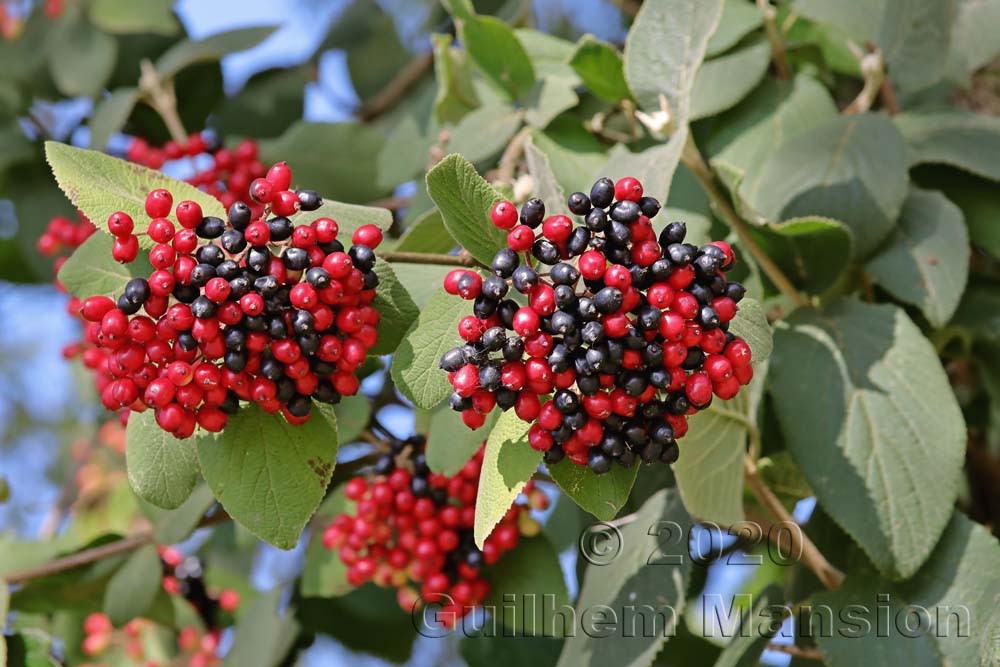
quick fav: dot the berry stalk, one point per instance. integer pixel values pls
(438, 259)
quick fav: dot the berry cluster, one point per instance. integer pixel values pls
(627, 328)
(224, 173)
(196, 648)
(62, 236)
(14, 15)
(412, 526)
(253, 309)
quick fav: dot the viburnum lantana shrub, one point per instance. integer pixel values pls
(553, 324)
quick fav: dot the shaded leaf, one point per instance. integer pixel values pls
(722, 82)
(600, 67)
(956, 138)
(464, 199)
(892, 434)
(813, 251)
(915, 38)
(738, 20)
(529, 582)
(396, 310)
(450, 443)
(926, 260)
(128, 17)
(131, 590)
(498, 54)
(456, 96)
(186, 53)
(484, 133)
(601, 495)
(110, 115)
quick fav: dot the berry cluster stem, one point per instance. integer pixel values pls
(828, 575)
(693, 160)
(160, 95)
(774, 36)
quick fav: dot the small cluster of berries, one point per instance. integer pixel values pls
(197, 648)
(628, 329)
(249, 309)
(226, 173)
(414, 528)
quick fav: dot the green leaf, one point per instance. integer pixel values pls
(396, 309)
(498, 54)
(367, 619)
(422, 280)
(893, 434)
(709, 471)
(813, 251)
(957, 586)
(177, 525)
(915, 38)
(100, 185)
(81, 57)
(270, 102)
(460, 9)
(110, 115)
(488, 649)
(529, 582)
(926, 260)
(642, 591)
(508, 464)
(131, 591)
(860, 20)
(600, 66)
(415, 366)
(91, 270)
(427, 234)
(974, 43)
(956, 138)
(547, 188)
(722, 82)
(161, 469)
(265, 633)
(485, 132)
(464, 199)
(654, 166)
(324, 573)
(757, 627)
(664, 50)
(601, 495)
(738, 20)
(353, 414)
(574, 154)
(405, 152)
(980, 207)
(850, 168)
(186, 53)
(336, 159)
(550, 55)
(751, 323)
(456, 96)
(125, 17)
(270, 475)
(750, 132)
(550, 96)
(31, 647)
(450, 443)
(348, 217)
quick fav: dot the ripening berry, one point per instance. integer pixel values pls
(503, 215)
(120, 224)
(159, 203)
(367, 235)
(280, 176)
(628, 189)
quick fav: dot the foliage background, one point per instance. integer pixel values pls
(329, 61)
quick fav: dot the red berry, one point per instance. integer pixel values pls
(521, 238)
(120, 224)
(158, 203)
(503, 214)
(125, 249)
(285, 203)
(262, 190)
(189, 214)
(628, 189)
(280, 176)
(367, 235)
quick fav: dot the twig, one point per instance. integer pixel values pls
(774, 36)
(138, 539)
(873, 71)
(887, 93)
(160, 95)
(796, 651)
(397, 88)
(693, 160)
(828, 575)
(430, 258)
(512, 156)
